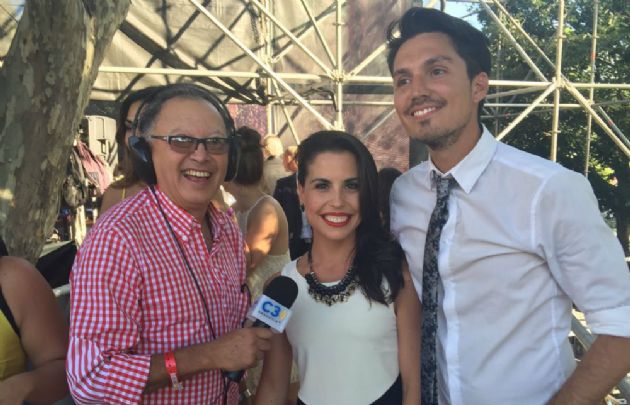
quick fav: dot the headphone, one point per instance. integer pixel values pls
(141, 158)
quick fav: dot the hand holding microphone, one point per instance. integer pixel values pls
(270, 310)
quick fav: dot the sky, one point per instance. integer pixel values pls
(461, 10)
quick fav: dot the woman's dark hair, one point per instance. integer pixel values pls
(386, 177)
(376, 254)
(250, 166)
(469, 43)
(124, 160)
(3, 248)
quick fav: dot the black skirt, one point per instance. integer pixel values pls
(393, 396)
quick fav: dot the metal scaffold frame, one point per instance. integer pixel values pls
(279, 85)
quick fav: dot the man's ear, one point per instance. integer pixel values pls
(480, 85)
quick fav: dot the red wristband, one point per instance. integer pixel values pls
(171, 369)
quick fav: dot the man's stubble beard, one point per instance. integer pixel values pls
(441, 139)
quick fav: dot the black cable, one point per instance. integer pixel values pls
(226, 386)
(226, 382)
(186, 263)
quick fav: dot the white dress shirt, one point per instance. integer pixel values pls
(524, 239)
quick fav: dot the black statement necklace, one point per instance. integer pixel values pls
(333, 294)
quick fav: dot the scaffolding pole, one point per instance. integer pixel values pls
(526, 111)
(339, 72)
(517, 46)
(376, 53)
(267, 34)
(334, 75)
(558, 80)
(585, 104)
(287, 117)
(288, 48)
(263, 65)
(520, 29)
(293, 38)
(288, 77)
(318, 32)
(591, 91)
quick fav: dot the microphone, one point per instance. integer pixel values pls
(271, 310)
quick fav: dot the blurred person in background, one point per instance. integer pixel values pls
(286, 194)
(261, 220)
(386, 178)
(128, 184)
(273, 168)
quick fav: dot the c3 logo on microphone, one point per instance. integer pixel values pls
(273, 310)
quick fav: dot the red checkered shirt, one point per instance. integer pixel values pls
(133, 297)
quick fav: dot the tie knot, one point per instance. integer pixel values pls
(442, 184)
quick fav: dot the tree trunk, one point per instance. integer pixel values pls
(46, 81)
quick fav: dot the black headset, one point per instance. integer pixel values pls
(141, 151)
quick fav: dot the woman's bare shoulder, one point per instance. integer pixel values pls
(21, 281)
(15, 269)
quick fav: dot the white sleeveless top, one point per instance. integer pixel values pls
(269, 265)
(346, 353)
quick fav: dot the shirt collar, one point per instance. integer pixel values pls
(469, 169)
(183, 223)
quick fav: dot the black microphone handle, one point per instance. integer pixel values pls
(236, 376)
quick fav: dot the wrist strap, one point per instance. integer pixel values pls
(171, 369)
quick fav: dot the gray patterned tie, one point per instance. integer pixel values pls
(430, 283)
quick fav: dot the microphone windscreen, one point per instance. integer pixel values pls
(283, 290)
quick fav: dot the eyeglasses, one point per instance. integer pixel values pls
(188, 144)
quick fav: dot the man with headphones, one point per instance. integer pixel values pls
(157, 286)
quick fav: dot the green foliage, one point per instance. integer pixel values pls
(609, 170)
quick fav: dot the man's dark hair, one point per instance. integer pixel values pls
(3, 248)
(469, 43)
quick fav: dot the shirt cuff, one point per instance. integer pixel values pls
(612, 321)
(127, 378)
(101, 377)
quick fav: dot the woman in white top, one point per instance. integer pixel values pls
(354, 331)
(262, 222)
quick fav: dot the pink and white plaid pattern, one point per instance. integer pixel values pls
(132, 297)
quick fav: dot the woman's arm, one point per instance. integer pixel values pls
(274, 381)
(44, 333)
(408, 318)
(275, 378)
(262, 230)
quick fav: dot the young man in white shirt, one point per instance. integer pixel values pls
(524, 238)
